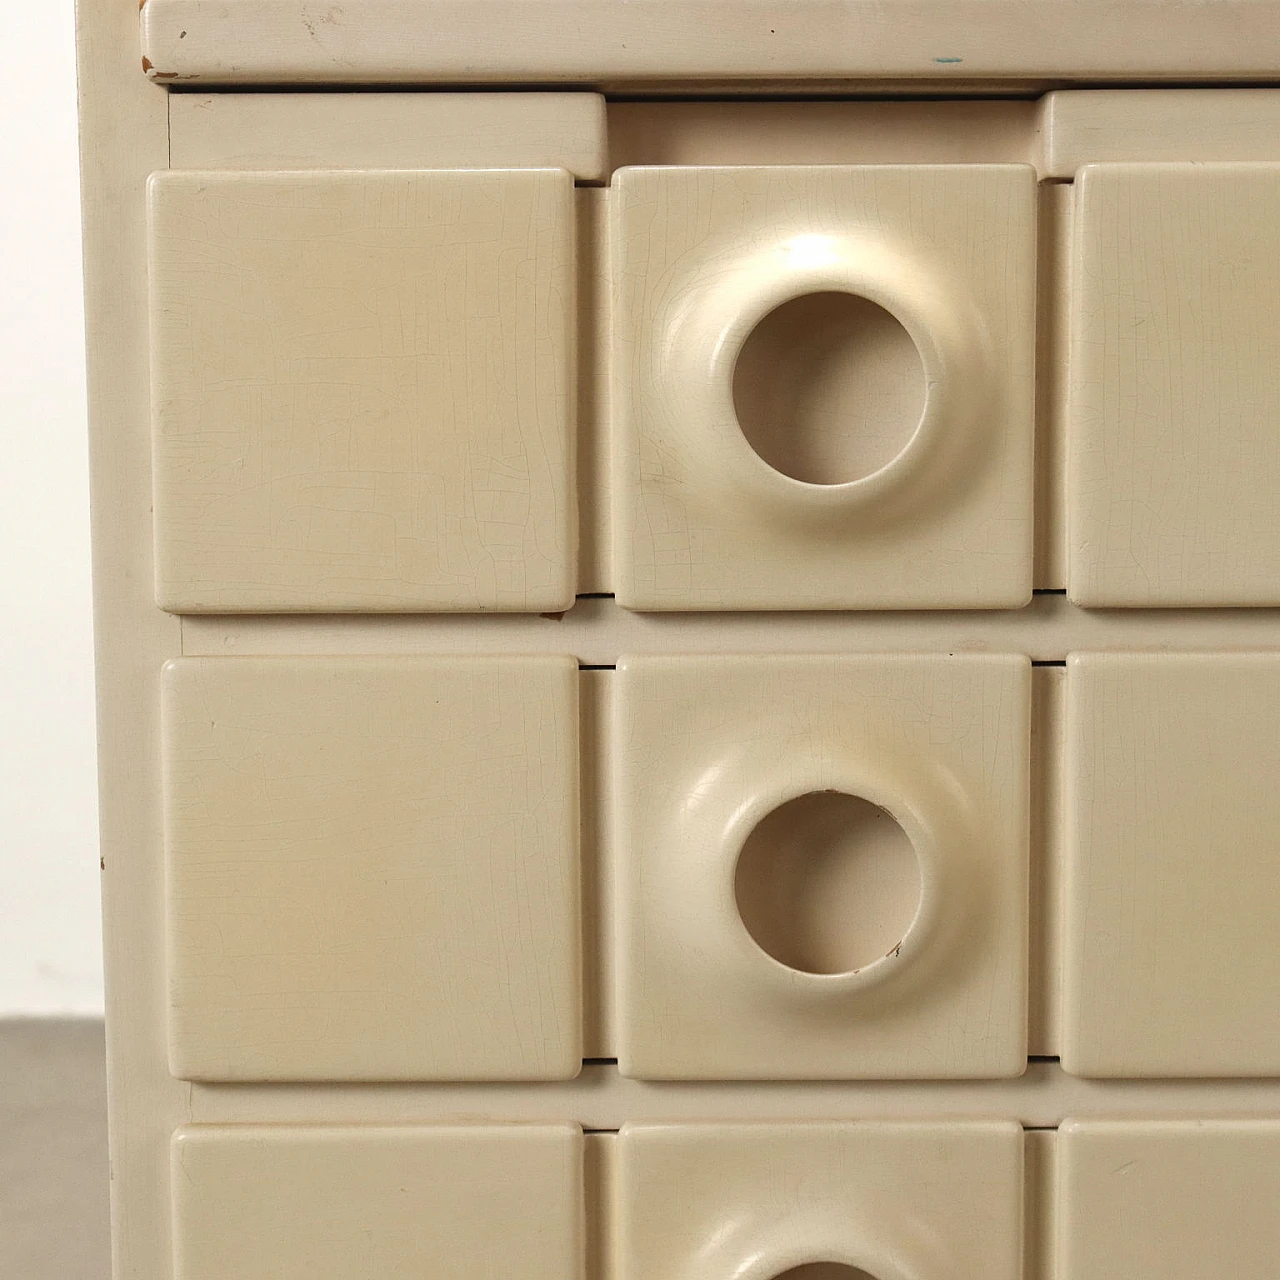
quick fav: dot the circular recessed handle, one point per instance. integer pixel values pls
(827, 882)
(828, 387)
(850, 778)
(826, 1255)
(703, 344)
(749, 780)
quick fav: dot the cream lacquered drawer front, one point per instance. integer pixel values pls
(716, 503)
(363, 390)
(820, 389)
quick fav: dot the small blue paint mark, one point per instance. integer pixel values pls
(948, 59)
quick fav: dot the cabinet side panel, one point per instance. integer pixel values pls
(124, 137)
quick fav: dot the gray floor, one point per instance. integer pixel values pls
(53, 1150)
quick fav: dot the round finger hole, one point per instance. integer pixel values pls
(829, 388)
(827, 883)
(826, 1271)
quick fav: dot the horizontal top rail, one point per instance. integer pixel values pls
(754, 45)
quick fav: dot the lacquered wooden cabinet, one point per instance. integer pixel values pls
(687, 599)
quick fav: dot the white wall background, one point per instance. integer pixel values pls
(50, 940)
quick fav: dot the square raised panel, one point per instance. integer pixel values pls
(823, 386)
(362, 390)
(257, 1202)
(1174, 386)
(892, 1201)
(822, 866)
(1168, 1200)
(372, 868)
(1172, 879)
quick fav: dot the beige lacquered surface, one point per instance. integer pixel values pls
(1146, 126)
(275, 131)
(1174, 459)
(1172, 884)
(1168, 1200)
(316, 1203)
(938, 513)
(706, 749)
(895, 1201)
(372, 868)
(361, 390)
(904, 47)
(823, 881)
